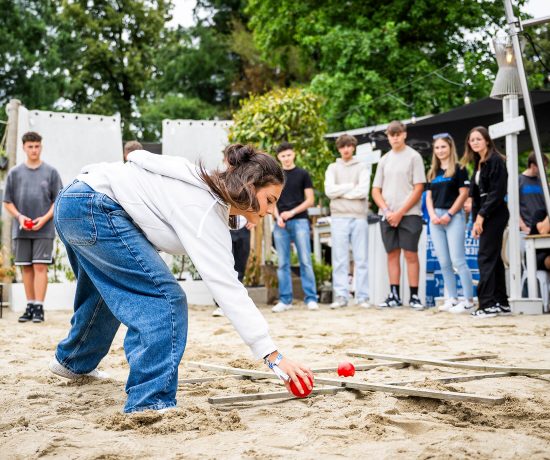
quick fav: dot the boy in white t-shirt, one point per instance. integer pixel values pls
(397, 189)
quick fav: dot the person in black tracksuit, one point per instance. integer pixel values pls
(488, 189)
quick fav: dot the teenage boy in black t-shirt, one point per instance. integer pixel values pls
(292, 224)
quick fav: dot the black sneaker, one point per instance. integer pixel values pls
(27, 316)
(487, 312)
(505, 310)
(415, 303)
(38, 314)
(391, 302)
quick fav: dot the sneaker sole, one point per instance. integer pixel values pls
(486, 315)
(61, 371)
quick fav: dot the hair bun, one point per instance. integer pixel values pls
(237, 154)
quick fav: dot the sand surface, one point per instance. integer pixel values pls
(43, 416)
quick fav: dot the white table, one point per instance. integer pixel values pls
(532, 243)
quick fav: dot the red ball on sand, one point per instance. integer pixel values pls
(346, 369)
(295, 390)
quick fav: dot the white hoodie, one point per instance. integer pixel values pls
(179, 214)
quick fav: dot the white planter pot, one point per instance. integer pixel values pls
(60, 296)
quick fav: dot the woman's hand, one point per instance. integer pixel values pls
(468, 205)
(434, 219)
(281, 222)
(294, 370)
(444, 219)
(478, 227)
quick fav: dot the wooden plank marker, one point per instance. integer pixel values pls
(443, 363)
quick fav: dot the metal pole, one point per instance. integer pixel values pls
(513, 32)
(510, 109)
(11, 149)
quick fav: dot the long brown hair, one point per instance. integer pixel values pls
(248, 171)
(436, 162)
(472, 157)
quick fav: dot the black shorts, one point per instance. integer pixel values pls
(405, 236)
(33, 251)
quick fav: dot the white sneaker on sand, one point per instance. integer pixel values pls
(218, 312)
(312, 305)
(339, 303)
(464, 306)
(363, 303)
(448, 304)
(280, 307)
(62, 371)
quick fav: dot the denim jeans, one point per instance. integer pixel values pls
(448, 241)
(120, 279)
(346, 231)
(296, 230)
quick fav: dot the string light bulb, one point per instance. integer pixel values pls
(509, 54)
(413, 118)
(467, 99)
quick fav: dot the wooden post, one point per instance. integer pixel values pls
(11, 150)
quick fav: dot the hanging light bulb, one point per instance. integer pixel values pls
(467, 99)
(509, 53)
(413, 118)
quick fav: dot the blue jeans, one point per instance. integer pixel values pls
(448, 241)
(296, 230)
(120, 279)
(343, 232)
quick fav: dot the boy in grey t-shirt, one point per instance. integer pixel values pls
(31, 189)
(397, 189)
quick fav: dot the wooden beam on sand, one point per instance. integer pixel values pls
(356, 385)
(333, 390)
(358, 367)
(270, 395)
(458, 365)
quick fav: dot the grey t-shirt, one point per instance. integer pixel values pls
(396, 174)
(32, 191)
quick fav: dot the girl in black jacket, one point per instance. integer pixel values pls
(488, 188)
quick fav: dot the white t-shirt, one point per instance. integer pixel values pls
(397, 174)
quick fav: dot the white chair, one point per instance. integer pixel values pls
(543, 283)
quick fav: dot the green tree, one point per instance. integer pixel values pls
(108, 49)
(537, 57)
(363, 49)
(286, 115)
(29, 56)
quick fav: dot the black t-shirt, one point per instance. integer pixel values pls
(445, 189)
(297, 180)
(531, 198)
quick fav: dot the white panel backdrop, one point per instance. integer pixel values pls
(194, 140)
(71, 140)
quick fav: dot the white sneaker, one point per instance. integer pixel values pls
(339, 303)
(280, 307)
(363, 303)
(218, 312)
(312, 305)
(464, 306)
(62, 371)
(448, 304)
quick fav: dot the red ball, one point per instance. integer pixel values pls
(295, 390)
(28, 224)
(346, 369)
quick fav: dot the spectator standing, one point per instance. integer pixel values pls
(531, 197)
(487, 200)
(347, 185)
(292, 225)
(31, 189)
(447, 190)
(397, 190)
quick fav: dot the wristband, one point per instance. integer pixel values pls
(449, 214)
(274, 366)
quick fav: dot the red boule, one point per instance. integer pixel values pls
(346, 369)
(295, 390)
(28, 224)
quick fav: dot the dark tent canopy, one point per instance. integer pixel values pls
(458, 122)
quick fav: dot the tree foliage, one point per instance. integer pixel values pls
(291, 115)
(363, 49)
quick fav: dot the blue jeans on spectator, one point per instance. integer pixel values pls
(448, 241)
(343, 232)
(296, 230)
(120, 279)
